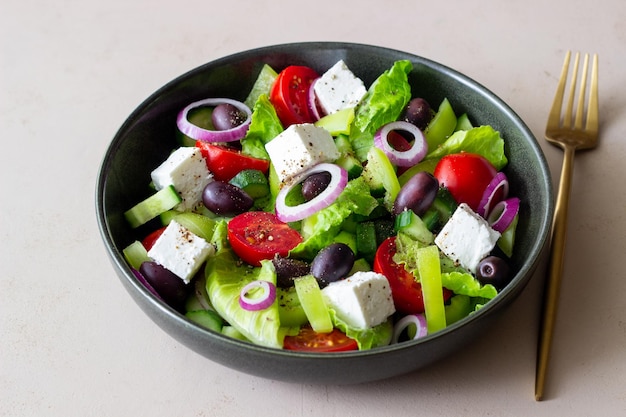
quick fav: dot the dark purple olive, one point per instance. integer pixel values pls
(332, 263)
(418, 112)
(493, 270)
(168, 285)
(287, 269)
(417, 194)
(226, 199)
(227, 116)
(314, 184)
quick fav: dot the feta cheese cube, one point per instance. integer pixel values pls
(180, 251)
(467, 238)
(362, 300)
(300, 147)
(338, 89)
(186, 170)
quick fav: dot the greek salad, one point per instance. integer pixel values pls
(324, 215)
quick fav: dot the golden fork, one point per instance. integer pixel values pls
(582, 134)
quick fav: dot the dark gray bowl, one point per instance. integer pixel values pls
(148, 135)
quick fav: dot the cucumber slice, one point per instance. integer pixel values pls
(346, 238)
(366, 240)
(380, 173)
(262, 85)
(197, 224)
(206, 318)
(445, 204)
(463, 123)
(163, 200)
(230, 331)
(351, 165)
(135, 254)
(337, 123)
(360, 265)
(253, 182)
(413, 226)
(290, 310)
(313, 303)
(441, 126)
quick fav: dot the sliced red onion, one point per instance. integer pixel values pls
(417, 320)
(259, 302)
(198, 133)
(338, 181)
(406, 158)
(313, 107)
(499, 182)
(146, 284)
(503, 214)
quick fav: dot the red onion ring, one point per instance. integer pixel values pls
(262, 302)
(313, 107)
(499, 182)
(503, 214)
(418, 320)
(198, 133)
(402, 158)
(338, 181)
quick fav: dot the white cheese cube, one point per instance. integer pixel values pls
(362, 300)
(338, 89)
(467, 238)
(187, 171)
(180, 251)
(300, 147)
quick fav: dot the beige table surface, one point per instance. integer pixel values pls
(73, 343)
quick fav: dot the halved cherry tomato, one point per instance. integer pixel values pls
(308, 340)
(405, 290)
(290, 95)
(258, 235)
(148, 241)
(466, 176)
(225, 162)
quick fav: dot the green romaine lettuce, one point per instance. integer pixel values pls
(264, 126)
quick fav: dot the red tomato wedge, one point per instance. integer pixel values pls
(290, 95)
(405, 290)
(148, 241)
(308, 340)
(258, 235)
(225, 162)
(466, 176)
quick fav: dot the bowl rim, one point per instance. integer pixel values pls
(140, 292)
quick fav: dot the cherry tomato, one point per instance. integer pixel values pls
(257, 235)
(465, 175)
(225, 162)
(148, 241)
(405, 290)
(290, 95)
(308, 340)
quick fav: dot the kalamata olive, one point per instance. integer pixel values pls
(226, 199)
(417, 194)
(314, 184)
(168, 285)
(332, 263)
(287, 269)
(418, 112)
(226, 116)
(493, 270)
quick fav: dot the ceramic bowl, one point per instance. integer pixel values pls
(148, 135)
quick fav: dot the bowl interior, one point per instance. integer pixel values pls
(149, 134)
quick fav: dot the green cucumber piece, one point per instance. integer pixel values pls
(366, 240)
(380, 173)
(290, 310)
(360, 265)
(163, 200)
(463, 123)
(262, 85)
(445, 204)
(135, 254)
(347, 238)
(413, 226)
(206, 318)
(232, 332)
(313, 303)
(441, 126)
(507, 239)
(253, 182)
(337, 123)
(352, 165)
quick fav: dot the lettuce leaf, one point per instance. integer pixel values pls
(383, 103)
(264, 126)
(376, 336)
(319, 229)
(482, 140)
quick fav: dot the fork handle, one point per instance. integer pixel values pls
(553, 283)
